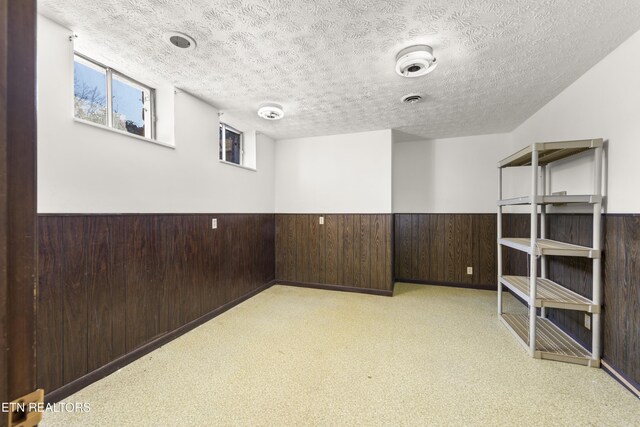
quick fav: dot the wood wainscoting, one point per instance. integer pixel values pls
(347, 252)
(621, 281)
(109, 285)
(112, 287)
(438, 248)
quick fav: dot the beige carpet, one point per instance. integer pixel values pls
(292, 356)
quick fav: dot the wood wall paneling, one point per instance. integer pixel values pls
(613, 296)
(486, 257)
(438, 248)
(149, 249)
(315, 250)
(622, 295)
(423, 267)
(111, 284)
(330, 247)
(364, 266)
(50, 304)
(81, 240)
(378, 254)
(348, 250)
(302, 251)
(103, 246)
(403, 246)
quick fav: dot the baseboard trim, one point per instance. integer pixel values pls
(93, 376)
(341, 288)
(487, 287)
(625, 382)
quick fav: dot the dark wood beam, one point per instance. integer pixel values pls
(17, 197)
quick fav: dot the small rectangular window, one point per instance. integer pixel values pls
(107, 97)
(230, 147)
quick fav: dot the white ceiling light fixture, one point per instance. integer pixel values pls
(271, 111)
(415, 61)
(180, 40)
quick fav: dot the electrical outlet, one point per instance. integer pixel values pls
(214, 223)
(470, 271)
(587, 321)
(321, 220)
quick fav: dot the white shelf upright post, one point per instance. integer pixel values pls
(543, 229)
(596, 349)
(533, 268)
(499, 226)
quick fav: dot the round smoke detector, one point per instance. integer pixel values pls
(271, 111)
(180, 40)
(415, 61)
(412, 98)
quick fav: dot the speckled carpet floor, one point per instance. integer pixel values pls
(293, 356)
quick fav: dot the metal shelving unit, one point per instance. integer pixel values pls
(536, 333)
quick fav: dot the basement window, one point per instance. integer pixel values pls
(231, 145)
(104, 96)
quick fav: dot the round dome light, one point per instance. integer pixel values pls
(415, 61)
(271, 111)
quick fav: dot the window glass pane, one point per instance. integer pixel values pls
(89, 91)
(131, 107)
(232, 146)
(220, 144)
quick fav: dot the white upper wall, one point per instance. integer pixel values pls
(602, 103)
(85, 169)
(452, 175)
(349, 173)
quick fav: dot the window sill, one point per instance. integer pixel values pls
(238, 166)
(121, 132)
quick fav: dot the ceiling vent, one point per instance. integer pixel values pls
(412, 98)
(415, 61)
(180, 40)
(271, 111)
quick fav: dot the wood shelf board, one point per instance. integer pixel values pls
(549, 294)
(549, 152)
(551, 342)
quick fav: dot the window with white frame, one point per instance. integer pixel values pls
(106, 97)
(231, 148)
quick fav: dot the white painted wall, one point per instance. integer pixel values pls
(349, 173)
(604, 102)
(84, 169)
(452, 175)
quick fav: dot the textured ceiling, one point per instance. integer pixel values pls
(330, 63)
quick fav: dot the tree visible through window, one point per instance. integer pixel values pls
(90, 91)
(106, 97)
